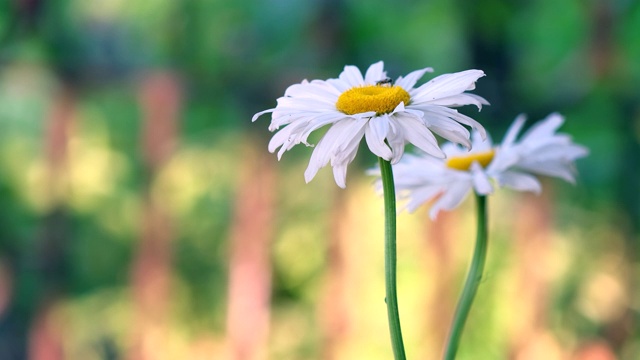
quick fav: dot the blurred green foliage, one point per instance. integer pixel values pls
(233, 59)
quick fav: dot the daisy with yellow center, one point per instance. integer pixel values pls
(387, 114)
(513, 164)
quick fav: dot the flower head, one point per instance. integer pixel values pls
(387, 114)
(513, 164)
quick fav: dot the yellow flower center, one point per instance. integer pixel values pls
(464, 162)
(379, 98)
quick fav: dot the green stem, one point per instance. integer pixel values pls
(473, 281)
(390, 258)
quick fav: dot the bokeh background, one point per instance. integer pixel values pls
(141, 216)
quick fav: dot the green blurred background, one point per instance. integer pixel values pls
(142, 217)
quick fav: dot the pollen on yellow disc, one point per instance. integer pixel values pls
(381, 99)
(464, 162)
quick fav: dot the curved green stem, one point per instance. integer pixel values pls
(473, 281)
(390, 258)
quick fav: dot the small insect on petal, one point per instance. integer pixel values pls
(384, 82)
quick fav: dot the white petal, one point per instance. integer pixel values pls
(461, 100)
(417, 133)
(422, 195)
(375, 73)
(574, 152)
(444, 114)
(283, 139)
(503, 159)
(352, 76)
(339, 84)
(309, 103)
(349, 143)
(412, 78)
(299, 130)
(453, 196)
(560, 169)
(319, 121)
(340, 175)
(519, 181)
(364, 115)
(319, 91)
(342, 160)
(396, 140)
(256, 116)
(446, 85)
(339, 138)
(459, 136)
(453, 149)
(556, 148)
(478, 143)
(277, 121)
(347, 153)
(481, 182)
(544, 128)
(513, 130)
(375, 132)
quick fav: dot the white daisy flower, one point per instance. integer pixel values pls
(387, 114)
(540, 151)
(512, 164)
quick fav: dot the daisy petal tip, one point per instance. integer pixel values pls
(481, 102)
(466, 143)
(478, 73)
(340, 178)
(555, 117)
(520, 120)
(438, 154)
(309, 174)
(483, 133)
(340, 182)
(256, 116)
